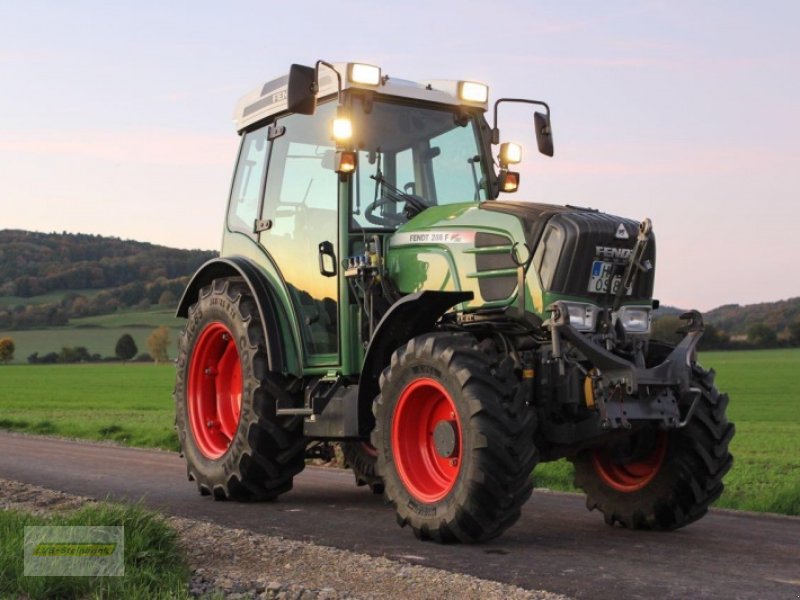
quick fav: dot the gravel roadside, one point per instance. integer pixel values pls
(238, 564)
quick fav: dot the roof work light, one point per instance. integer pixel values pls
(363, 74)
(471, 91)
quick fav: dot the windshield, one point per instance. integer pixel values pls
(412, 157)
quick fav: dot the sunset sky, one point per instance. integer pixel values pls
(117, 121)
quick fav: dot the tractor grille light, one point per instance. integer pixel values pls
(364, 74)
(471, 91)
(635, 319)
(582, 316)
(342, 129)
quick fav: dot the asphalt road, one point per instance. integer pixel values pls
(557, 545)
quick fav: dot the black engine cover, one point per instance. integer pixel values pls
(566, 240)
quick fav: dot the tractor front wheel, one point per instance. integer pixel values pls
(662, 479)
(454, 442)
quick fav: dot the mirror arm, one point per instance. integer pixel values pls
(496, 131)
(315, 85)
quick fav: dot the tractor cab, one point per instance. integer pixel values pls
(334, 160)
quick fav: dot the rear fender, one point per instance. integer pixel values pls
(279, 345)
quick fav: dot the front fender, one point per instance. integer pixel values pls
(407, 318)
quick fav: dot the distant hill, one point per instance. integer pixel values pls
(48, 278)
(735, 319)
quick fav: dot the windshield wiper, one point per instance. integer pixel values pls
(414, 204)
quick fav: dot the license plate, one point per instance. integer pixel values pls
(601, 277)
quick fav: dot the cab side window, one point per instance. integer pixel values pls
(300, 203)
(248, 182)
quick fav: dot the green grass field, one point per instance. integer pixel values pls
(98, 334)
(131, 404)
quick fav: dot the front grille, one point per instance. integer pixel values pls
(494, 286)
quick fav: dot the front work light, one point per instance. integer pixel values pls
(510, 153)
(364, 74)
(582, 317)
(635, 319)
(471, 91)
(342, 129)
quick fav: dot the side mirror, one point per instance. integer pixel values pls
(544, 135)
(301, 93)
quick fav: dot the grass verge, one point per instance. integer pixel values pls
(154, 563)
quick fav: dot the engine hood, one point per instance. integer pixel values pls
(471, 247)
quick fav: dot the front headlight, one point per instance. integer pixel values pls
(635, 319)
(582, 317)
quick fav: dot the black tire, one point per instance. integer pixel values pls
(494, 426)
(688, 480)
(362, 458)
(265, 452)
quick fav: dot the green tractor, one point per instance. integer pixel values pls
(373, 291)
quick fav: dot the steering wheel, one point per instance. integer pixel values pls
(388, 220)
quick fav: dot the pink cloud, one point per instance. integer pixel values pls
(631, 159)
(138, 147)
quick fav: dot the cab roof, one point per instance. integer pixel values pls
(271, 98)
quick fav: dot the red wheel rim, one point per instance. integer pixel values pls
(215, 390)
(630, 476)
(427, 475)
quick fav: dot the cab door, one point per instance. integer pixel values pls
(300, 209)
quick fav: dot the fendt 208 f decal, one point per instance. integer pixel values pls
(433, 237)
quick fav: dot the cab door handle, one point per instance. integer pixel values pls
(327, 259)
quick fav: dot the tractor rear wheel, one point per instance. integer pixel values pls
(235, 446)
(662, 479)
(362, 457)
(454, 441)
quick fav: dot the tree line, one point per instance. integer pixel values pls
(33, 264)
(158, 343)
(161, 292)
(738, 320)
(758, 335)
(89, 274)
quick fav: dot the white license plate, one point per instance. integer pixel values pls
(601, 277)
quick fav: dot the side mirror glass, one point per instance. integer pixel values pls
(544, 135)
(300, 95)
